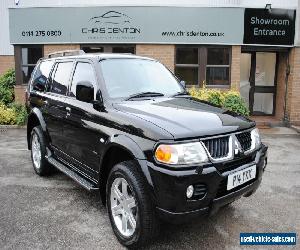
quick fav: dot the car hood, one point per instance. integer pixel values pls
(185, 117)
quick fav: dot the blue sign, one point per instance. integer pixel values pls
(268, 239)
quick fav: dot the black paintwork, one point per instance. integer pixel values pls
(184, 117)
(80, 134)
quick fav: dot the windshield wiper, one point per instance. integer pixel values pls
(144, 94)
(180, 93)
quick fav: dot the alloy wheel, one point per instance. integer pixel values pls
(123, 207)
(36, 151)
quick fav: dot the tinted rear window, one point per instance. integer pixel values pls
(41, 75)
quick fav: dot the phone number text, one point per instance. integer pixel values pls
(42, 33)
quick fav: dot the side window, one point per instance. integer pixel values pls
(83, 73)
(61, 78)
(41, 75)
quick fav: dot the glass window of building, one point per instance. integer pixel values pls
(187, 65)
(203, 65)
(217, 67)
(26, 59)
(108, 48)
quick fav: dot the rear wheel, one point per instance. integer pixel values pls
(131, 212)
(38, 152)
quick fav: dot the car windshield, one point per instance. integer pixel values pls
(125, 78)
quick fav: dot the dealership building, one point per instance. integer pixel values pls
(252, 46)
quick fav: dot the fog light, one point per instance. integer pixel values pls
(189, 191)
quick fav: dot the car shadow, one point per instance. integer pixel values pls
(202, 233)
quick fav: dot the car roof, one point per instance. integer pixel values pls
(100, 56)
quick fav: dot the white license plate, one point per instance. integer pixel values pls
(240, 177)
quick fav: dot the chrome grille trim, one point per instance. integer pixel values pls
(229, 154)
(233, 140)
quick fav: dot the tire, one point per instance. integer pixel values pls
(146, 222)
(38, 152)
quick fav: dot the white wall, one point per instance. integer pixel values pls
(7, 49)
(209, 3)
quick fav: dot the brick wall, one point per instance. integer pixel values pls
(294, 87)
(163, 53)
(6, 63)
(20, 93)
(59, 47)
(235, 67)
(280, 91)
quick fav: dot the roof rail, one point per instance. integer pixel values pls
(66, 53)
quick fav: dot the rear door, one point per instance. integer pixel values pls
(54, 105)
(81, 131)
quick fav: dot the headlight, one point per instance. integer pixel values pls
(255, 137)
(188, 153)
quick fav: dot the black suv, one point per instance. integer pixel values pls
(124, 126)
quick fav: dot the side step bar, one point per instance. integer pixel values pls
(76, 177)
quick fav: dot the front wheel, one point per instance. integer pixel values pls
(131, 212)
(38, 152)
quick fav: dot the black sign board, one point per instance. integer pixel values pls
(269, 26)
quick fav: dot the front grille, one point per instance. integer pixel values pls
(200, 191)
(217, 147)
(245, 140)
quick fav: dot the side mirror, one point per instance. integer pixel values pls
(98, 103)
(85, 92)
(182, 83)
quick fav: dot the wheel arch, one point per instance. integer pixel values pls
(35, 118)
(120, 148)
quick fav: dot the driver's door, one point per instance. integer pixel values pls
(81, 137)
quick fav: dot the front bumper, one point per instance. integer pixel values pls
(169, 188)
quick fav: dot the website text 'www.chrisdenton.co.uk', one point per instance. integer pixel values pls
(192, 33)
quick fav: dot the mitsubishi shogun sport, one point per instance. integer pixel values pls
(124, 126)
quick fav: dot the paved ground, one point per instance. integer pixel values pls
(56, 213)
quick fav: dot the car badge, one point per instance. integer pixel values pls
(237, 147)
